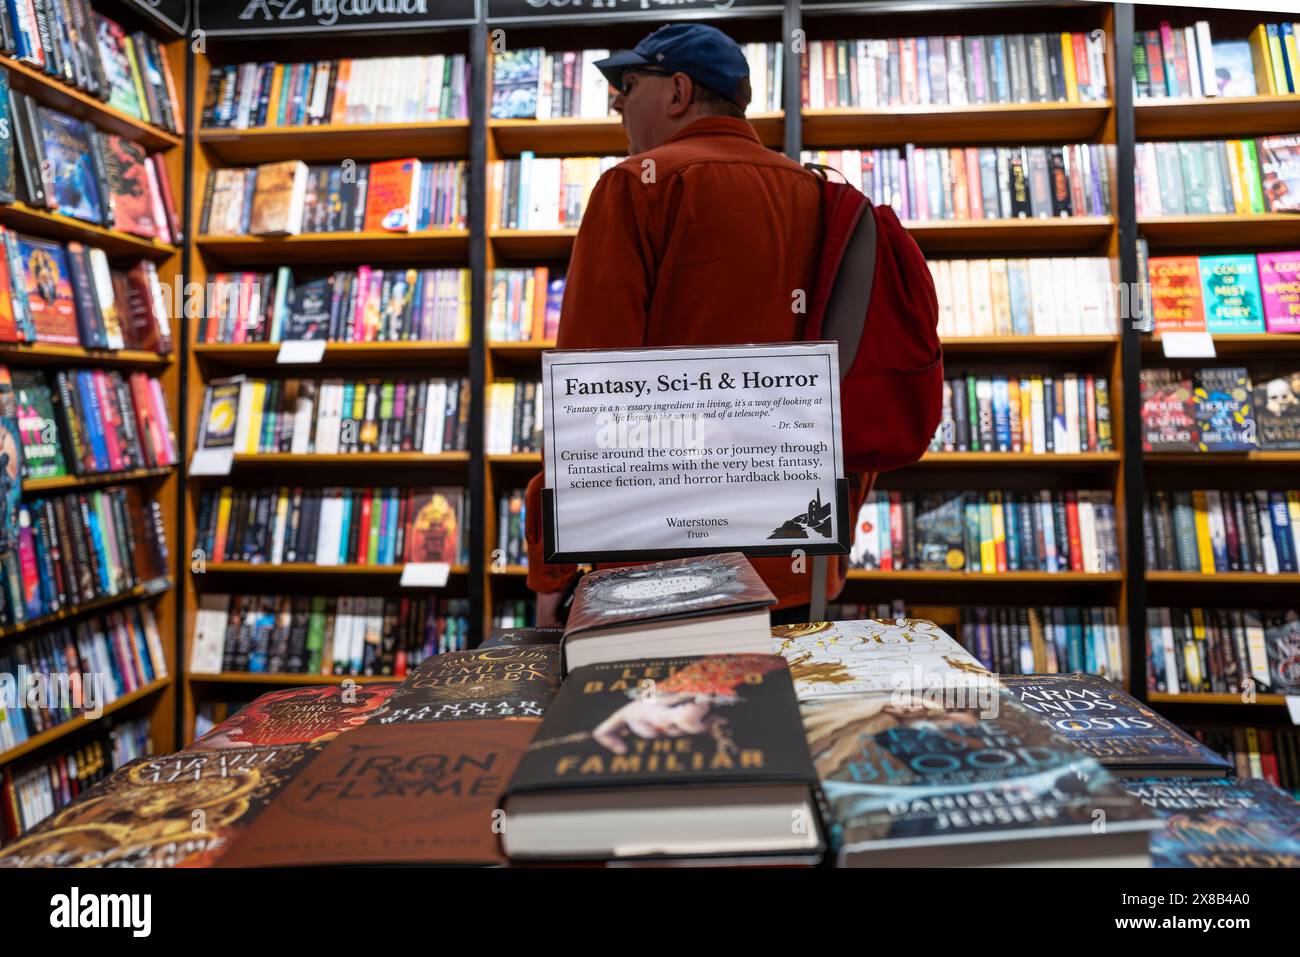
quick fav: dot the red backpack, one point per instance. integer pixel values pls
(875, 296)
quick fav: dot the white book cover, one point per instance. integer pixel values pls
(833, 658)
(1088, 533)
(1069, 315)
(1097, 63)
(1041, 298)
(546, 87)
(328, 418)
(207, 649)
(963, 320)
(1205, 56)
(595, 88)
(303, 413)
(981, 297)
(280, 527)
(431, 441)
(1073, 425)
(1114, 650)
(1193, 62)
(816, 76)
(1171, 655)
(106, 298)
(244, 415)
(329, 534)
(1267, 541)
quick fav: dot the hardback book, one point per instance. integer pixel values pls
(436, 526)
(11, 464)
(73, 183)
(42, 453)
(279, 198)
(1126, 737)
(298, 716)
(1279, 286)
(500, 637)
(48, 289)
(1277, 411)
(1282, 640)
(939, 528)
(833, 658)
(484, 683)
(308, 308)
(1176, 302)
(144, 814)
(1279, 168)
(116, 57)
(220, 413)
(715, 604)
(391, 200)
(1224, 415)
(1168, 411)
(401, 794)
(132, 201)
(910, 783)
(1227, 823)
(668, 757)
(515, 76)
(1230, 285)
(9, 157)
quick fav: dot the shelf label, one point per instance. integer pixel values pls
(212, 462)
(230, 17)
(671, 452)
(425, 574)
(1293, 707)
(301, 352)
(1187, 345)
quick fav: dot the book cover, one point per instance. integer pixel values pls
(522, 636)
(48, 286)
(1234, 70)
(1225, 418)
(117, 66)
(390, 201)
(1279, 170)
(8, 147)
(1220, 823)
(11, 464)
(1168, 411)
(220, 414)
(72, 180)
(1277, 411)
(42, 453)
(297, 716)
(1282, 640)
(278, 199)
(1120, 732)
(128, 185)
(1230, 285)
(487, 682)
(940, 532)
(679, 588)
(434, 532)
(515, 76)
(307, 313)
(1279, 285)
(1176, 301)
(833, 658)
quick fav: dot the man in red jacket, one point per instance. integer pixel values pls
(703, 236)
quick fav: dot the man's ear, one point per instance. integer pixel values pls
(683, 88)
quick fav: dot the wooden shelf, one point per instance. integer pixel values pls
(1075, 233)
(304, 568)
(1015, 123)
(1205, 697)
(1205, 233)
(49, 92)
(529, 349)
(1016, 459)
(966, 578)
(511, 571)
(594, 137)
(28, 219)
(86, 608)
(76, 724)
(1221, 459)
(1222, 578)
(311, 460)
(261, 678)
(1216, 116)
(1030, 345)
(533, 243)
(441, 138)
(61, 482)
(262, 355)
(431, 244)
(1260, 345)
(48, 354)
(515, 458)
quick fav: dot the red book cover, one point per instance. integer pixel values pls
(1072, 523)
(434, 532)
(146, 426)
(1268, 756)
(363, 531)
(141, 327)
(1082, 69)
(8, 323)
(128, 184)
(112, 420)
(297, 716)
(1091, 385)
(390, 196)
(897, 534)
(168, 199)
(49, 291)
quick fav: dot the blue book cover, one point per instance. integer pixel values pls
(1221, 405)
(73, 183)
(93, 420)
(8, 156)
(1219, 822)
(345, 531)
(1001, 414)
(1001, 77)
(1277, 508)
(1230, 288)
(1120, 732)
(514, 83)
(90, 519)
(141, 645)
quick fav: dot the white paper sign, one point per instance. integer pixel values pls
(1187, 345)
(425, 574)
(301, 352)
(212, 462)
(690, 450)
(1293, 707)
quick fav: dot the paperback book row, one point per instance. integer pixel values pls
(538, 84)
(514, 417)
(524, 305)
(104, 658)
(31, 794)
(1272, 754)
(1190, 62)
(344, 92)
(90, 421)
(542, 192)
(1044, 414)
(1025, 297)
(1045, 641)
(1223, 651)
(932, 183)
(57, 162)
(987, 532)
(69, 295)
(81, 547)
(955, 70)
(1203, 177)
(1218, 410)
(1212, 531)
(85, 49)
(318, 635)
(756, 735)
(332, 526)
(1231, 294)
(512, 547)
(514, 613)
(289, 198)
(335, 416)
(366, 304)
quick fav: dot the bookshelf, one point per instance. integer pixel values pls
(153, 701)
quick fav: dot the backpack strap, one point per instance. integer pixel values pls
(850, 297)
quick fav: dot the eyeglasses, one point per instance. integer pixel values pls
(626, 88)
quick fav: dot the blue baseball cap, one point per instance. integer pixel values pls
(705, 54)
